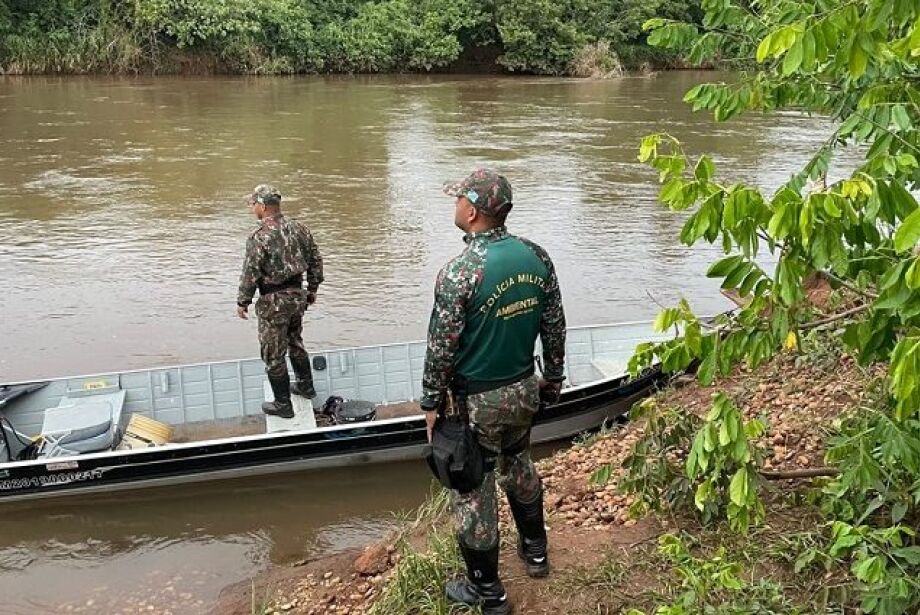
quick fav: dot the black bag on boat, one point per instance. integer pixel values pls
(454, 455)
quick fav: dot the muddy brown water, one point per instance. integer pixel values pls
(121, 232)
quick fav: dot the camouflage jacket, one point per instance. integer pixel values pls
(457, 284)
(277, 251)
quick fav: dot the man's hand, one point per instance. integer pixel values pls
(242, 311)
(549, 391)
(311, 297)
(430, 417)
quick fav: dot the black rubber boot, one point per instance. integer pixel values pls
(281, 387)
(481, 587)
(304, 373)
(528, 517)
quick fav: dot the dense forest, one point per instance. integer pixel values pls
(574, 37)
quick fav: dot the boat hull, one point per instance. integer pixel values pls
(578, 411)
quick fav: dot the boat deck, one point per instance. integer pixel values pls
(255, 425)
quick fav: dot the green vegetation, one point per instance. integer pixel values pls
(714, 584)
(306, 36)
(857, 61)
(417, 584)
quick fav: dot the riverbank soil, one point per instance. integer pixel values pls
(603, 560)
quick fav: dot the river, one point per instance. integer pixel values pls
(122, 224)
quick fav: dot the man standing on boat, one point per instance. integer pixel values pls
(280, 256)
(491, 302)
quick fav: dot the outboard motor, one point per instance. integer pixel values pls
(347, 411)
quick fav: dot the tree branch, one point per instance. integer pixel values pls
(847, 285)
(845, 314)
(885, 129)
(803, 473)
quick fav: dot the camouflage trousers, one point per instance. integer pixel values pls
(281, 328)
(500, 418)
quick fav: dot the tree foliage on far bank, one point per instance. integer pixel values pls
(858, 62)
(292, 36)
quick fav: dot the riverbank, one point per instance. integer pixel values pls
(346, 36)
(604, 560)
(122, 56)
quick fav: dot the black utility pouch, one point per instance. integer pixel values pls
(455, 457)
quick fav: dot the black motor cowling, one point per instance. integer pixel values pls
(346, 411)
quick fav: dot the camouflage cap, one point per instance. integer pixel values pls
(265, 194)
(488, 191)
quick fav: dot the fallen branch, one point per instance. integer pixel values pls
(803, 473)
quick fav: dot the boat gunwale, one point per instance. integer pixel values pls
(268, 436)
(314, 353)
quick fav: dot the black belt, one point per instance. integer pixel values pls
(473, 387)
(292, 282)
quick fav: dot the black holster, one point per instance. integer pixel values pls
(454, 455)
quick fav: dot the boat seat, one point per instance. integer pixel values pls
(82, 424)
(303, 420)
(609, 368)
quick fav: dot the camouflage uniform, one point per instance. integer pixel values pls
(278, 252)
(502, 416)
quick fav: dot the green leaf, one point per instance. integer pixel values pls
(725, 436)
(793, 59)
(707, 369)
(702, 494)
(913, 274)
(741, 452)
(648, 148)
(892, 277)
(909, 554)
(704, 169)
(844, 543)
(738, 489)
(692, 462)
(666, 319)
(905, 202)
(900, 118)
(734, 279)
(859, 60)
(763, 50)
(724, 266)
(870, 569)
(808, 50)
(693, 338)
(907, 235)
(749, 281)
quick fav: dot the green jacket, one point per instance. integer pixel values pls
(490, 304)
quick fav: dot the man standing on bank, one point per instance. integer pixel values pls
(280, 254)
(490, 304)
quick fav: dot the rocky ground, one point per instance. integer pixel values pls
(589, 524)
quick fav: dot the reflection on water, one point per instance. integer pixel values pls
(122, 227)
(178, 547)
